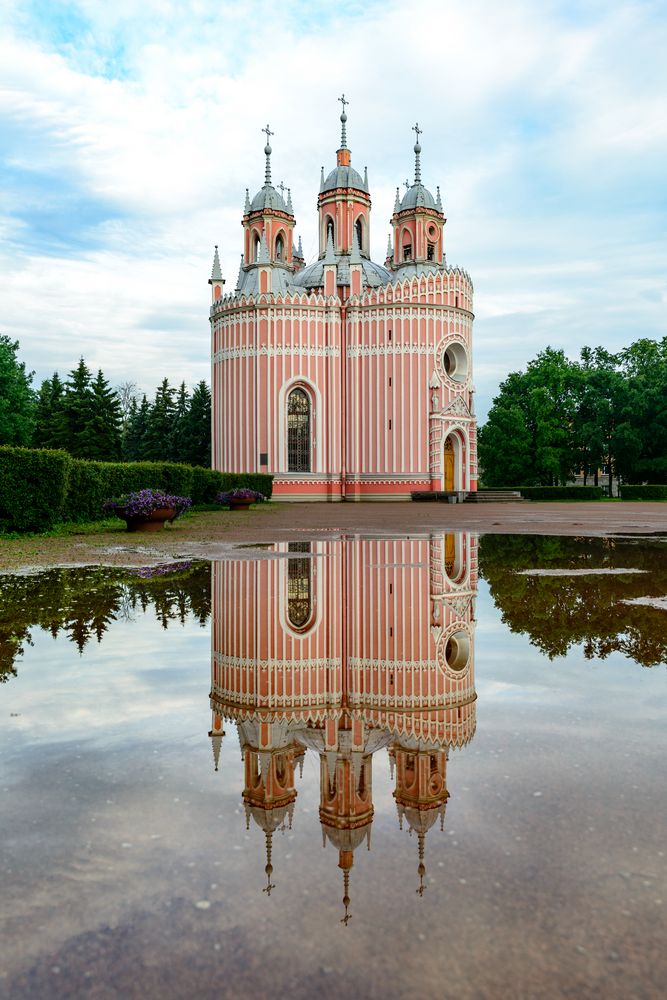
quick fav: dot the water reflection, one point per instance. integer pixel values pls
(82, 603)
(592, 609)
(343, 649)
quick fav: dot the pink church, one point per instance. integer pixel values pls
(344, 378)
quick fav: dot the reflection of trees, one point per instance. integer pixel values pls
(559, 612)
(82, 603)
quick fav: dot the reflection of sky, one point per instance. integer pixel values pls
(115, 826)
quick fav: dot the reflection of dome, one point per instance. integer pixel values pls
(347, 839)
(418, 197)
(343, 177)
(270, 819)
(268, 197)
(421, 820)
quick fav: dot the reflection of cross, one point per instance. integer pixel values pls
(267, 888)
(346, 918)
(417, 129)
(343, 101)
(267, 131)
(281, 188)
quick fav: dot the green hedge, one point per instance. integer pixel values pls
(33, 488)
(561, 492)
(643, 492)
(41, 488)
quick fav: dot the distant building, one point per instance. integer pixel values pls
(345, 379)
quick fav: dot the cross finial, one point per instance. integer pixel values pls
(267, 152)
(281, 187)
(343, 120)
(418, 174)
(407, 183)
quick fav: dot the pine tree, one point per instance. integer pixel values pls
(17, 398)
(134, 439)
(197, 427)
(160, 424)
(77, 411)
(177, 450)
(103, 430)
(48, 430)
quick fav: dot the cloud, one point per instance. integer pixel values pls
(131, 132)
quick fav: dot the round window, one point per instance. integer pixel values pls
(455, 362)
(457, 651)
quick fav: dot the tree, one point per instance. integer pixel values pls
(77, 411)
(196, 437)
(177, 448)
(48, 429)
(134, 438)
(127, 394)
(17, 399)
(160, 424)
(103, 430)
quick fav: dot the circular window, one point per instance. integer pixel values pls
(457, 651)
(432, 232)
(455, 362)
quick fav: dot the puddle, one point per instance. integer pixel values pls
(397, 761)
(579, 572)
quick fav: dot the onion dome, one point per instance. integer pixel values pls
(267, 197)
(418, 196)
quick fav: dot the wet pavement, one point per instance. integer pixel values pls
(373, 766)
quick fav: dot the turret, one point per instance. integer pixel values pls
(270, 216)
(216, 281)
(418, 223)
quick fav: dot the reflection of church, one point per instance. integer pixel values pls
(342, 648)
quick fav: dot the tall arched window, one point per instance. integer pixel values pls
(330, 231)
(299, 586)
(298, 431)
(280, 248)
(255, 247)
(359, 226)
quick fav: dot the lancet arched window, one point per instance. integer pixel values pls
(330, 231)
(280, 248)
(299, 586)
(359, 226)
(298, 431)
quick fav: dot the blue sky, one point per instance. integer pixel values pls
(130, 131)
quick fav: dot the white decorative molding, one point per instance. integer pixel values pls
(275, 351)
(387, 350)
(242, 662)
(457, 408)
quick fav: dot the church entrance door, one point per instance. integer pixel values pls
(449, 464)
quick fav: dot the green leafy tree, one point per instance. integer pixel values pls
(48, 421)
(17, 399)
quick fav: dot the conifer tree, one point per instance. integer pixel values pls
(48, 430)
(160, 423)
(134, 440)
(103, 430)
(197, 427)
(77, 411)
(177, 449)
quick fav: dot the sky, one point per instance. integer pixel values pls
(129, 132)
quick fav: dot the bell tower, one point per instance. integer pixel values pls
(268, 221)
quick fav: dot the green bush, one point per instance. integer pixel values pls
(33, 488)
(41, 488)
(643, 492)
(561, 492)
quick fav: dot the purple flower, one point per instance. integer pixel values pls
(239, 494)
(143, 503)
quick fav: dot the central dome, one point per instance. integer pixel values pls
(343, 177)
(418, 197)
(268, 197)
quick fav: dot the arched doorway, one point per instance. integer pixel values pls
(449, 464)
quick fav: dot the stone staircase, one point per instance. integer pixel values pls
(495, 496)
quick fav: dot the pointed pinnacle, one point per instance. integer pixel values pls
(263, 255)
(355, 256)
(438, 200)
(216, 273)
(290, 210)
(247, 202)
(397, 201)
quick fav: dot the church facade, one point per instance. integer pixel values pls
(344, 378)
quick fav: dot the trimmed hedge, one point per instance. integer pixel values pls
(33, 487)
(40, 488)
(561, 492)
(648, 492)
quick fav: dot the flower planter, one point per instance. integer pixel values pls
(239, 504)
(154, 521)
